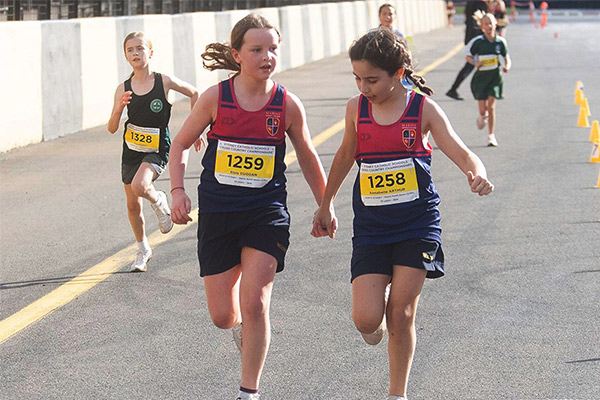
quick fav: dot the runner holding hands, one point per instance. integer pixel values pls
(397, 233)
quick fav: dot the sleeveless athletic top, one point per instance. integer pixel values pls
(146, 129)
(243, 163)
(394, 196)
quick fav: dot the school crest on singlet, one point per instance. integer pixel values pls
(273, 121)
(409, 136)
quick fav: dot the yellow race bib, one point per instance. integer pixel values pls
(389, 182)
(245, 165)
(144, 140)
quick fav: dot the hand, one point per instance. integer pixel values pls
(324, 223)
(199, 143)
(504, 69)
(181, 207)
(125, 99)
(477, 64)
(479, 185)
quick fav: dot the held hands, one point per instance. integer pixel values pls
(479, 185)
(181, 207)
(324, 222)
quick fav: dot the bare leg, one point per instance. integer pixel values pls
(401, 310)
(491, 110)
(368, 301)
(244, 294)
(134, 212)
(142, 185)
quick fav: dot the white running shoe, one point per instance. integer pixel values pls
(492, 140)
(396, 398)
(237, 335)
(142, 258)
(248, 396)
(481, 121)
(163, 212)
(377, 336)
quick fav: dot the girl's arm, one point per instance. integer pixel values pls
(299, 135)
(202, 115)
(122, 98)
(325, 221)
(436, 121)
(508, 63)
(176, 84)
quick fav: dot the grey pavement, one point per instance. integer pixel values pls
(516, 317)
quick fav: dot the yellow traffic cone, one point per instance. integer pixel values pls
(595, 133)
(598, 185)
(578, 97)
(583, 121)
(595, 157)
(586, 105)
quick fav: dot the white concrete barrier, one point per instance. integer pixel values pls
(62, 75)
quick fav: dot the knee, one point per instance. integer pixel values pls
(134, 208)
(223, 320)
(254, 308)
(401, 318)
(366, 323)
(140, 188)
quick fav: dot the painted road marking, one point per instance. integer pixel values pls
(101, 271)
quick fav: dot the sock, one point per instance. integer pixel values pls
(249, 391)
(144, 245)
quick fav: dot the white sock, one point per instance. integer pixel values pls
(144, 245)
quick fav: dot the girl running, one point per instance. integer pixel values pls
(387, 15)
(146, 138)
(243, 229)
(488, 53)
(397, 234)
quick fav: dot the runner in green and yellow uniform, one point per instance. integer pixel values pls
(489, 54)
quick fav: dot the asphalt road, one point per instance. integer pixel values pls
(516, 317)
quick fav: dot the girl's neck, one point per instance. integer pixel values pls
(142, 74)
(253, 87)
(490, 38)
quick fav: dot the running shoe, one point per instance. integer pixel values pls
(453, 94)
(396, 398)
(481, 121)
(492, 142)
(141, 259)
(237, 335)
(248, 396)
(163, 212)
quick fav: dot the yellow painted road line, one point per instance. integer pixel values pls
(99, 272)
(78, 285)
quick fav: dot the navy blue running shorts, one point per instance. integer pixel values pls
(221, 237)
(415, 253)
(128, 171)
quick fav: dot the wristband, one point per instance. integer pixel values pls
(178, 187)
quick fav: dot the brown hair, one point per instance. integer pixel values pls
(218, 55)
(139, 35)
(388, 51)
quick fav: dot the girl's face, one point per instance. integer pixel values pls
(488, 27)
(259, 53)
(373, 82)
(137, 52)
(386, 17)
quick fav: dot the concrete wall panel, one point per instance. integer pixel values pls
(61, 78)
(98, 73)
(21, 102)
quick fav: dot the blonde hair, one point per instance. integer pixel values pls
(479, 16)
(218, 55)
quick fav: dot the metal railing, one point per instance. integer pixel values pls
(27, 10)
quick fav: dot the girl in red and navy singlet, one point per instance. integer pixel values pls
(146, 140)
(394, 196)
(243, 226)
(397, 234)
(243, 164)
